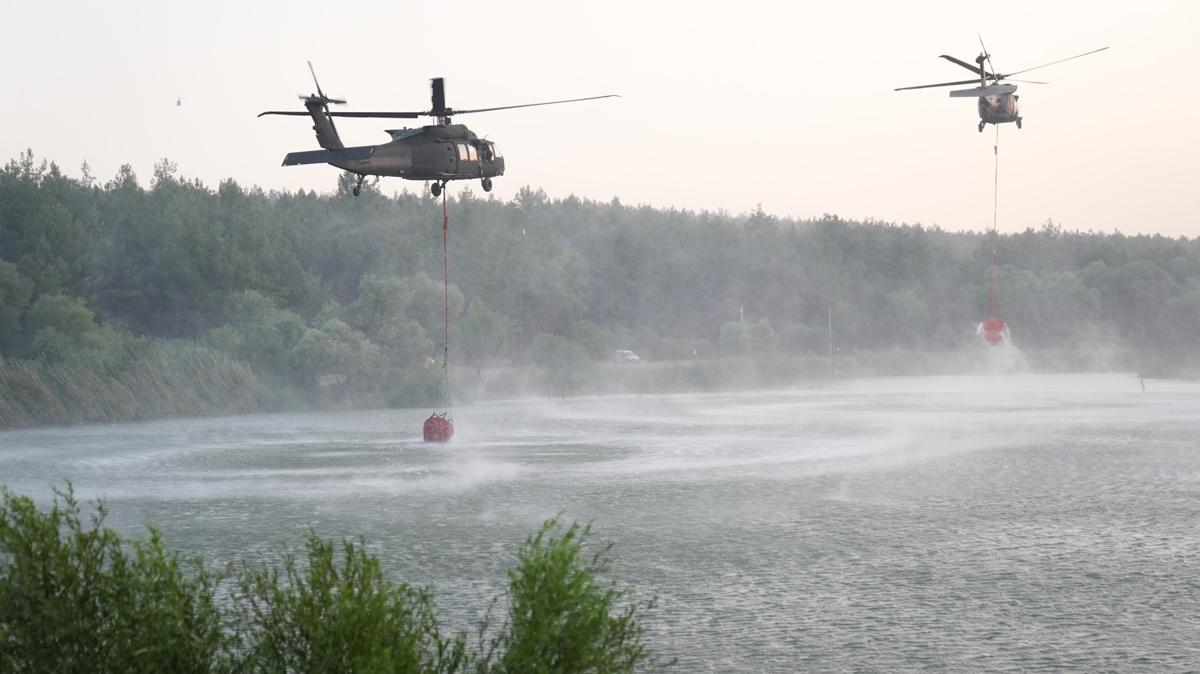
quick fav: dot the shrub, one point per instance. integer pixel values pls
(563, 616)
(73, 599)
(76, 598)
(341, 617)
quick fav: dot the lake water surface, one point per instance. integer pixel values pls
(1012, 523)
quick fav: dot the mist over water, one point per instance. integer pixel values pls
(965, 523)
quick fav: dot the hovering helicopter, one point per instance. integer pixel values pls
(998, 102)
(439, 152)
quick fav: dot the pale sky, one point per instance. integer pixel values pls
(725, 105)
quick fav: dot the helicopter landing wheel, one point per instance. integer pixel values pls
(487, 184)
(357, 190)
(436, 189)
(981, 125)
(358, 185)
(1018, 122)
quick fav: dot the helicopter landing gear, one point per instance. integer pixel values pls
(358, 185)
(487, 184)
(981, 125)
(1018, 122)
(436, 189)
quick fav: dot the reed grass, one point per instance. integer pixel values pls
(146, 379)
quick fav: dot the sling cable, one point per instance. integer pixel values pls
(440, 427)
(993, 329)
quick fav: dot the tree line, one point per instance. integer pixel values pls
(287, 293)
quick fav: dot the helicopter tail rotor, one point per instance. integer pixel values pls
(321, 94)
(327, 133)
(986, 56)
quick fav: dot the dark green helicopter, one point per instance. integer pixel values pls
(438, 153)
(998, 102)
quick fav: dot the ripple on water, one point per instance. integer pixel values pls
(1048, 524)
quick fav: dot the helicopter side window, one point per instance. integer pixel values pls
(463, 155)
(471, 153)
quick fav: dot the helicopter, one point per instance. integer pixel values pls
(998, 102)
(438, 152)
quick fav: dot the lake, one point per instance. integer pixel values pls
(1029, 522)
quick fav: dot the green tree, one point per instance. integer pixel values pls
(564, 365)
(800, 338)
(1179, 322)
(764, 342)
(336, 348)
(62, 325)
(259, 332)
(15, 292)
(482, 334)
(734, 339)
(68, 315)
(388, 312)
(910, 317)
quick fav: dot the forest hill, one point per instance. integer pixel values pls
(118, 301)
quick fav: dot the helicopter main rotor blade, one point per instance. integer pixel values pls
(968, 66)
(940, 84)
(385, 115)
(1069, 58)
(531, 105)
(283, 112)
(1029, 82)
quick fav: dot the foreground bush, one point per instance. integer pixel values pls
(341, 617)
(562, 616)
(75, 597)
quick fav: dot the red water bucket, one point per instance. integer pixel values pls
(438, 428)
(993, 330)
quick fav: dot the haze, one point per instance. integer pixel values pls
(724, 106)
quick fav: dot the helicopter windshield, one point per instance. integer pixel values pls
(487, 151)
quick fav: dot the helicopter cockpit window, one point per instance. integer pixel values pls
(485, 152)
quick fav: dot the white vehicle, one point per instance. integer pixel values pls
(625, 356)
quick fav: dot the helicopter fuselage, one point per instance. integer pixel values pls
(1000, 109)
(434, 153)
(437, 153)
